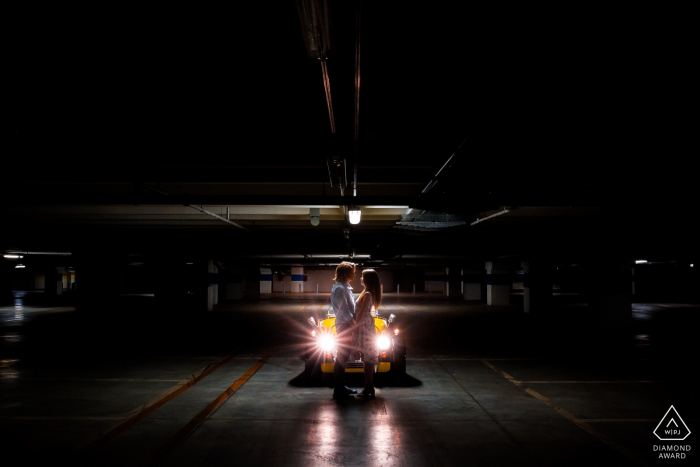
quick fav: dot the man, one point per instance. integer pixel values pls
(344, 305)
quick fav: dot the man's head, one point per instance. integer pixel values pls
(345, 272)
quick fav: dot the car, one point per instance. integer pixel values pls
(322, 349)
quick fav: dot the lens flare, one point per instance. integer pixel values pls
(326, 342)
(383, 342)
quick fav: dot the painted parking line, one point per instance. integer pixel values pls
(160, 400)
(581, 423)
(626, 420)
(59, 418)
(595, 382)
(192, 425)
(104, 380)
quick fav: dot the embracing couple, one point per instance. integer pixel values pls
(354, 326)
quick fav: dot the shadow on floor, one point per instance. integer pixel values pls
(357, 380)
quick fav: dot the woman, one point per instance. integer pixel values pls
(366, 335)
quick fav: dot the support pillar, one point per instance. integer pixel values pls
(297, 279)
(435, 281)
(212, 285)
(472, 277)
(537, 287)
(265, 280)
(234, 284)
(633, 289)
(97, 282)
(6, 275)
(447, 282)
(174, 283)
(453, 281)
(497, 284)
(610, 295)
(53, 281)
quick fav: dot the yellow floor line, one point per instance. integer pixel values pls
(105, 380)
(143, 411)
(618, 420)
(59, 418)
(571, 417)
(192, 425)
(593, 382)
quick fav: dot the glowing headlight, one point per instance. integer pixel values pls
(383, 342)
(326, 342)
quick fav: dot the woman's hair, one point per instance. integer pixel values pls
(373, 286)
(344, 271)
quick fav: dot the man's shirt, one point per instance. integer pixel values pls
(343, 303)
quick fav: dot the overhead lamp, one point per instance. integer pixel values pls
(12, 256)
(640, 261)
(314, 213)
(19, 266)
(354, 214)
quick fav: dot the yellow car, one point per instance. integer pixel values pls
(322, 350)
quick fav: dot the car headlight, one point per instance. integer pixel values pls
(326, 342)
(383, 342)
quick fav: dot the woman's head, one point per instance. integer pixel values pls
(370, 279)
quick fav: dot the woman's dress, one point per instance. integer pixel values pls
(366, 331)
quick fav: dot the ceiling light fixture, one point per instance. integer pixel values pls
(11, 256)
(19, 266)
(314, 213)
(641, 261)
(354, 214)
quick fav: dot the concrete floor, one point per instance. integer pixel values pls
(485, 386)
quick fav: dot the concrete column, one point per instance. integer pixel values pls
(537, 286)
(53, 281)
(297, 279)
(6, 274)
(497, 284)
(234, 284)
(447, 282)
(473, 279)
(633, 290)
(212, 285)
(265, 280)
(453, 281)
(609, 294)
(175, 281)
(435, 281)
(97, 282)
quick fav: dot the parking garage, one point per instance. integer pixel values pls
(179, 189)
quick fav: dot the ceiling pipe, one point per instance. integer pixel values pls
(447, 164)
(491, 216)
(204, 211)
(314, 16)
(357, 92)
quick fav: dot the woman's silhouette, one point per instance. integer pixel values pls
(366, 335)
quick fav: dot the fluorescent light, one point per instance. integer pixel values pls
(354, 213)
(691, 265)
(19, 266)
(11, 256)
(641, 261)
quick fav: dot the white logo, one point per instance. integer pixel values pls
(671, 427)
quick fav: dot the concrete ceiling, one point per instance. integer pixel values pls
(581, 129)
